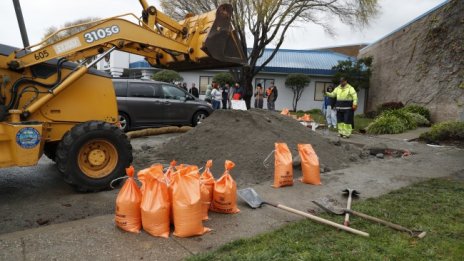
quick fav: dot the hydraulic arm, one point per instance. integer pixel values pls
(203, 41)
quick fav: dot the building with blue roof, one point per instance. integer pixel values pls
(317, 64)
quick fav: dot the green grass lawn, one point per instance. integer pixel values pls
(360, 122)
(436, 206)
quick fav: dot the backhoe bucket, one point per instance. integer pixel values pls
(215, 45)
(223, 43)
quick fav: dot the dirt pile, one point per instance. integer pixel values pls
(246, 138)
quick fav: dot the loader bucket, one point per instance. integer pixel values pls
(218, 44)
(223, 43)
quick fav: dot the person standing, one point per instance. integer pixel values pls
(346, 104)
(225, 96)
(328, 108)
(184, 86)
(238, 92)
(216, 96)
(259, 96)
(272, 97)
(209, 89)
(194, 91)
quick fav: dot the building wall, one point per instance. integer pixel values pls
(422, 63)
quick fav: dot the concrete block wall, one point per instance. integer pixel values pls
(422, 63)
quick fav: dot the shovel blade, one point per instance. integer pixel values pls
(250, 196)
(329, 206)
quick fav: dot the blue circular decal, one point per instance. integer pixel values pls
(28, 138)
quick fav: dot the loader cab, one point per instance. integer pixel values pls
(147, 103)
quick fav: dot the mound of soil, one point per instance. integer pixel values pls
(247, 138)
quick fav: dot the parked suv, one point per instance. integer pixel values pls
(147, 103)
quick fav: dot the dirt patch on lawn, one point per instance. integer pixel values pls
(246, 138)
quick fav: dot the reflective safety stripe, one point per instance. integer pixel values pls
(340, 104)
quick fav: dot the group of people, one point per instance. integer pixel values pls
(224, 95)
(339, 106)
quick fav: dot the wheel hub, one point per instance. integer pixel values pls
(97, 158)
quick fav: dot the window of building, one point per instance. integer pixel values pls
(204, 82)
(265, 82)
(320, 90)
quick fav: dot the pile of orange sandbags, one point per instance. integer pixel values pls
(180, 196)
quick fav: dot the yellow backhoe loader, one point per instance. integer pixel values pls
(51, 105)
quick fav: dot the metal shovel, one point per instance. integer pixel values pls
(252, 198)
(327, 205)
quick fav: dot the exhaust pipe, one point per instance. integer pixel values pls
(22, 26)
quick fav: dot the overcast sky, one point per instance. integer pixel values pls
(42, 14)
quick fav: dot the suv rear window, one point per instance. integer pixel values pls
(137, 89)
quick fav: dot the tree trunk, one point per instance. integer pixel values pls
(247, 83)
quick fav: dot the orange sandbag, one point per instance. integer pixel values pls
(205, 201)
(283, 166)
(186, 204)
(170, 170)
(207, 181)
(305, 117)
(225, 192)
(156, 171)
(309, 165)
(207, 177)
(156, 207)
(128, 215)
(285, 112)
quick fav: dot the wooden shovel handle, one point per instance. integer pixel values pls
(386, 223)
(321, 220)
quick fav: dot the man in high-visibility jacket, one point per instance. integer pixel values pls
(346, 104)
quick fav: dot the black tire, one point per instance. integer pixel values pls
(124, 121)
(71, 152)
(198, 117)
(50, 150)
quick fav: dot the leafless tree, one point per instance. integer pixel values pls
(76, 26)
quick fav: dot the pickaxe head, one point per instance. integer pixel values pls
(353, 192)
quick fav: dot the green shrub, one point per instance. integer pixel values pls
(223, 78)
(314, 111)
(168, 76)
(450, 130)
(405, 117)
(386, 124)
(419, 119)
(418, 109)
